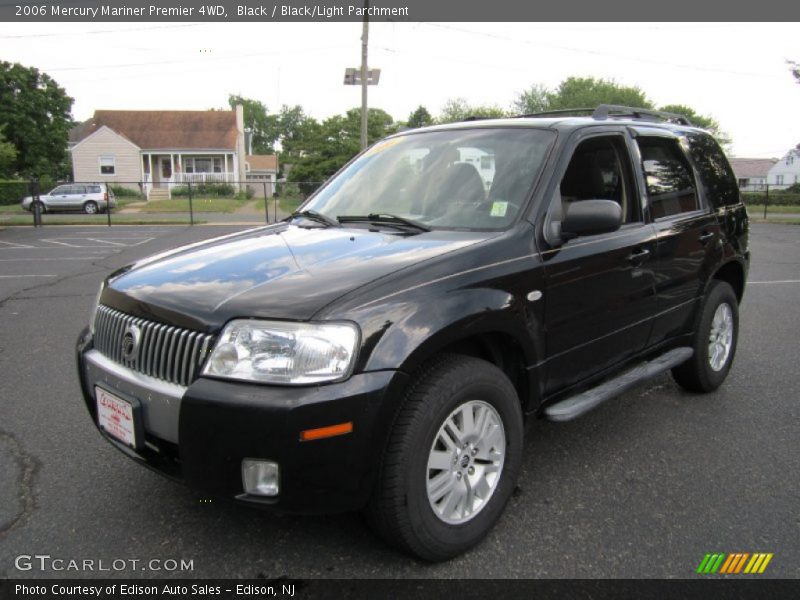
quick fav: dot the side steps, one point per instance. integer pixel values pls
(574, 406)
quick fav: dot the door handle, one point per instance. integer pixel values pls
(639, 255)
(706, 236)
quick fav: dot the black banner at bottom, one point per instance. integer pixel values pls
(406, 589)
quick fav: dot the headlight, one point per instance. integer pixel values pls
(282, 352)
(94, 306)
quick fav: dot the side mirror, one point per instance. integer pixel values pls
(591, 217)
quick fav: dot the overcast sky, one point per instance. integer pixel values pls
(734, 72)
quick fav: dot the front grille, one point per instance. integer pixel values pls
(170, 353)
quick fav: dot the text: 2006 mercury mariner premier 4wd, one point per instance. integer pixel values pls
(382, 348)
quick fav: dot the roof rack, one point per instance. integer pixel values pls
(604, 111)
(558, 113)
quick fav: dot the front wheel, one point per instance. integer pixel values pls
(452, 460)
(714, 342)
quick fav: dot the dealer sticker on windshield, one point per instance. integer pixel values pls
(499, 209)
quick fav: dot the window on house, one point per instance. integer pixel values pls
(217, 165)
(669, 178)
(202, 165)
(779, 179)
(108, 165)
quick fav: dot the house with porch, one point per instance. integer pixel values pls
(153, 151)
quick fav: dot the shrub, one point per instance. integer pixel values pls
(12, 191)
(120, 191)
(776, 198)
(208, 190)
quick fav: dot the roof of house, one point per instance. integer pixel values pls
(173, 129)
(745, 168)
(262, 162)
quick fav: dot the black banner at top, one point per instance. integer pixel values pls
(392, 10)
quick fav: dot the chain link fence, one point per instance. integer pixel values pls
(46, 202)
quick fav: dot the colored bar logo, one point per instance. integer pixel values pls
(734, 563)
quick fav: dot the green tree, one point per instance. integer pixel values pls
(262, 125)
(533, 100)
(458, 109)
(8, 155)
(588, 92)
(419, 118)
(698, 120)
(35, 114)
(327, 146)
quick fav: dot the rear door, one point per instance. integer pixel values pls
(600, 293)
(687, 230)
(77, 196)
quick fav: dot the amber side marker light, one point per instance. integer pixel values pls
(325, 432)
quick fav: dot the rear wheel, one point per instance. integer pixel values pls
(452, 459)
(90, 207)
(714, 343)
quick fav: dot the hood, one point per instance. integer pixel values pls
(281, 272)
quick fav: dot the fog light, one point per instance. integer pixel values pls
(260, 477)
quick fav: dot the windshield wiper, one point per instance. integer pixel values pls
(313, 215)
(384, 219)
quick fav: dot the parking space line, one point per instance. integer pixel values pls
(49, 259)
(15, 276)
(13, 245)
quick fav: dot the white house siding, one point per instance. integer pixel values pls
(105, 142)
(786, 171)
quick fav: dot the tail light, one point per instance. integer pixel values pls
(105, 196)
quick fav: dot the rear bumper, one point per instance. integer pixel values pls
(201, 433)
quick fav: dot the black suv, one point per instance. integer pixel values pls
(382, 348)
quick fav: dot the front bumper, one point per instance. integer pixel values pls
(201, 433)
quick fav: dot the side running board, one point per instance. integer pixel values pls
(575, 406)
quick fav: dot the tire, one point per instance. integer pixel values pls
(90, 208)
(714, 341)
(443, 523)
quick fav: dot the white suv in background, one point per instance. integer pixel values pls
(90, 198)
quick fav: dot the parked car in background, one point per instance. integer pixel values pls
(90, 198)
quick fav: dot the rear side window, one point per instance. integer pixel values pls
(94, 189)
(669, 178)
(718, 180)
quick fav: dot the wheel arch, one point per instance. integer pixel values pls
(733, 273)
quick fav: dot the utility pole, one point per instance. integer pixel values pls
(364, 78)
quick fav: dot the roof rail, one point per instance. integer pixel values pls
(558, 113)
(604, 111)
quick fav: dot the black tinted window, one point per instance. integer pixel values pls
(669, 178)
(600, 170)
(718, 180)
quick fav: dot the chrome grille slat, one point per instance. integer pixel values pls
(165, 352)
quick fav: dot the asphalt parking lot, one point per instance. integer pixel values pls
(642, 487)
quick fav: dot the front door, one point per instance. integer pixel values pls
(600, 291)
(166, 170)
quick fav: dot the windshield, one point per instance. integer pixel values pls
(471, 178)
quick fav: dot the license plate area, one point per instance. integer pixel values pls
(120, 416)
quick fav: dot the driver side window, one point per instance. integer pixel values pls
(600, 170)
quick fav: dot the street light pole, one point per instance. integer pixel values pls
(364, 78)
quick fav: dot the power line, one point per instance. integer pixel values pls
(93, 32)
